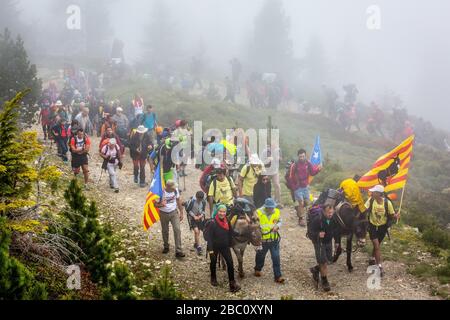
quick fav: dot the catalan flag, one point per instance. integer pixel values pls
(391, 169)
(151, 213)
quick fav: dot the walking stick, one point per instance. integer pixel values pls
(100, 178)
(184, 182)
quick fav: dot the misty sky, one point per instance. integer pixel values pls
(410, 54)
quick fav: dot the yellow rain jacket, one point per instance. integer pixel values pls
(353, 194)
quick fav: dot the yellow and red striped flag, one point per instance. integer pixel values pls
(398, 159)
(151, 213)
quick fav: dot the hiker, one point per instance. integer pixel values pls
(44, 119)
(164, 153)
(208, 172)
(236, 69)
(321, 231)
(249, 177)
(195, 208)
(230, 91)
(196, 70)
(80, 145)
(108, 124)
(138, 105)
(183, 134)
(219, 238)
(61, 136)
(298, 182)
(262, 191)
(352, 193)
(150, 121)
(381, 215)
(375, 120)
(112, 160)
(270, 221)
(212, 92)
(272, 154)
(140, 146)
(171, 212)
(121, 120)
(221, 190)
(109, 134)
(84, 121)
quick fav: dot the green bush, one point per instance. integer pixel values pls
(84, 228)
(437, 237)
(16, 281)
(119, 284)
(164, 288)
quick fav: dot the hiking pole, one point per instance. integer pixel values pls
(184, 182)
(100, 178)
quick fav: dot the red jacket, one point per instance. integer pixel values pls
(299, 174)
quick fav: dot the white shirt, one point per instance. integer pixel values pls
(171, 201)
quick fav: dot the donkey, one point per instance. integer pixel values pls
(349, 222)
(245, 233)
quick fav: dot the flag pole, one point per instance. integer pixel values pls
(401, 202)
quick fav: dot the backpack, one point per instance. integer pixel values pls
(214, 181)
(390, 220)
(290, 167)
(207, 229)
(190, 205)
(314, 213)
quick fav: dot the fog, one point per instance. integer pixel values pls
(409, 55)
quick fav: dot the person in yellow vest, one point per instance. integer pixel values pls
(270, 221)
(353, 193)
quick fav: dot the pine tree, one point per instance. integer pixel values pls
(85, 229)
(119, 284)
(161, 46)
(18, 74)
(271, 49)
(164, 288)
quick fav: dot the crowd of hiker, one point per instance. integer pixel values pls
(229, 197)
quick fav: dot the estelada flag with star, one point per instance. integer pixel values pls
(316, 156)
(391, 169)
(151, 212)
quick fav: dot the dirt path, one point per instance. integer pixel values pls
(297, 254)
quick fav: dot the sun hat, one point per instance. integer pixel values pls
(141, 129)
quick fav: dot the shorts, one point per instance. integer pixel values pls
(377, 232)
(197, 224)
(302, 194)
(79, 160)
(324, 252)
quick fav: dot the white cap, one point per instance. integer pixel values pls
(119, 109)
(59, 103)
(254, 159)
(112, 141)
(377, 188)
(216, 163)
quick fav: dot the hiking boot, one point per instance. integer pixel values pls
(214, 282)
(180, 255)
(258, 274)
(315, 274)
(116, 190)
(325, 284)
(280, 280)
(136, 179)
(199, 250)
(234, 286)
(142, 185)
(165, 251)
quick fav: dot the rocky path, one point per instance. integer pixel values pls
(192, 273)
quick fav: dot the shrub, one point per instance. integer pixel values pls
(164, 289)
(437, 237)
(119, 284)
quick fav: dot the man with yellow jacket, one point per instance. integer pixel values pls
(353, 193)
(270, 222)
